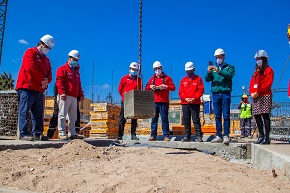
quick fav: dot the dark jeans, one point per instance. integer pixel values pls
(123, 122)
(191, 111)
(221, 105)
(162, 108)
(54, 120)
(30, 101)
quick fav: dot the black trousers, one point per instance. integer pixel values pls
(54, 120)
(123, 122)
(191, 111)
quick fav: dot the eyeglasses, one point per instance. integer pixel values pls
(44, 45)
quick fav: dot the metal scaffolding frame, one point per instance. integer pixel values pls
(3, 11)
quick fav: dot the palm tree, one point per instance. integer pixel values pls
(6, 81)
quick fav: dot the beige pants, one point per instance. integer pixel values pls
(67, 109)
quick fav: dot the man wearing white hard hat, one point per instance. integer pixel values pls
(160, 83)
(127, 83)
(220, 75)
(33, 79)
(69, 89)
(191, 88)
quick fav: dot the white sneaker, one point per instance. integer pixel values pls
(217, 139)
(226, 140)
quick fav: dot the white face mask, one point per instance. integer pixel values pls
(158, 71)
(44, 50)
(219, 61)
(259, 63)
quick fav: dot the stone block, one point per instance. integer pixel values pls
(139, 104)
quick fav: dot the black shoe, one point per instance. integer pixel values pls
(260, 140)
(41, 138)
(134, 138)
(119, 138)
(266, 141)
(27, 138)
(199, 139)
(185, 139)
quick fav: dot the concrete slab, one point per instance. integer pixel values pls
(274, 156)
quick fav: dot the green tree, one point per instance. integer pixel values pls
(6, 81)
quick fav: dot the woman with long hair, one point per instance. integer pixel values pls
(261, 93)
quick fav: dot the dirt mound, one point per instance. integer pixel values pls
(80, 167)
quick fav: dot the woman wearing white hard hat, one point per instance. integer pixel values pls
(33, 79)
(260, 90)
(69, 87)
(191, 88)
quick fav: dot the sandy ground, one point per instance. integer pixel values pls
(80, 167)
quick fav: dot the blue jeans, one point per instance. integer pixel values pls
(221, 106)
(162, 108)
(30, 101)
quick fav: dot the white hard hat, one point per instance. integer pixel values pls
(189, 66)
(157, 64)
(261, 53)
(74, 53)
(219, 51)
(48, 40)
(134, 65)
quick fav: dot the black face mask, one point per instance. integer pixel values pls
(190, 73)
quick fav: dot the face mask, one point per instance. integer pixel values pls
(189, 73)
(158, 71)
(219, 61)
(73, 63)
(133, 72)
(259, 63)
(44, 50)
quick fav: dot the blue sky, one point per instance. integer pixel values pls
(174, 32)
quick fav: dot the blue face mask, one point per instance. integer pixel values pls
(133, 72)
(73, 63)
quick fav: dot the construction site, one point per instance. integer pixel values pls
(101, 163)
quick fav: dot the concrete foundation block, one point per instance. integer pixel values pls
(139, 104)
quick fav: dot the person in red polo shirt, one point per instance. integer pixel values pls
(160, 84)
(191, 88)
(261, 93)
(33, 79)
(127, 83)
